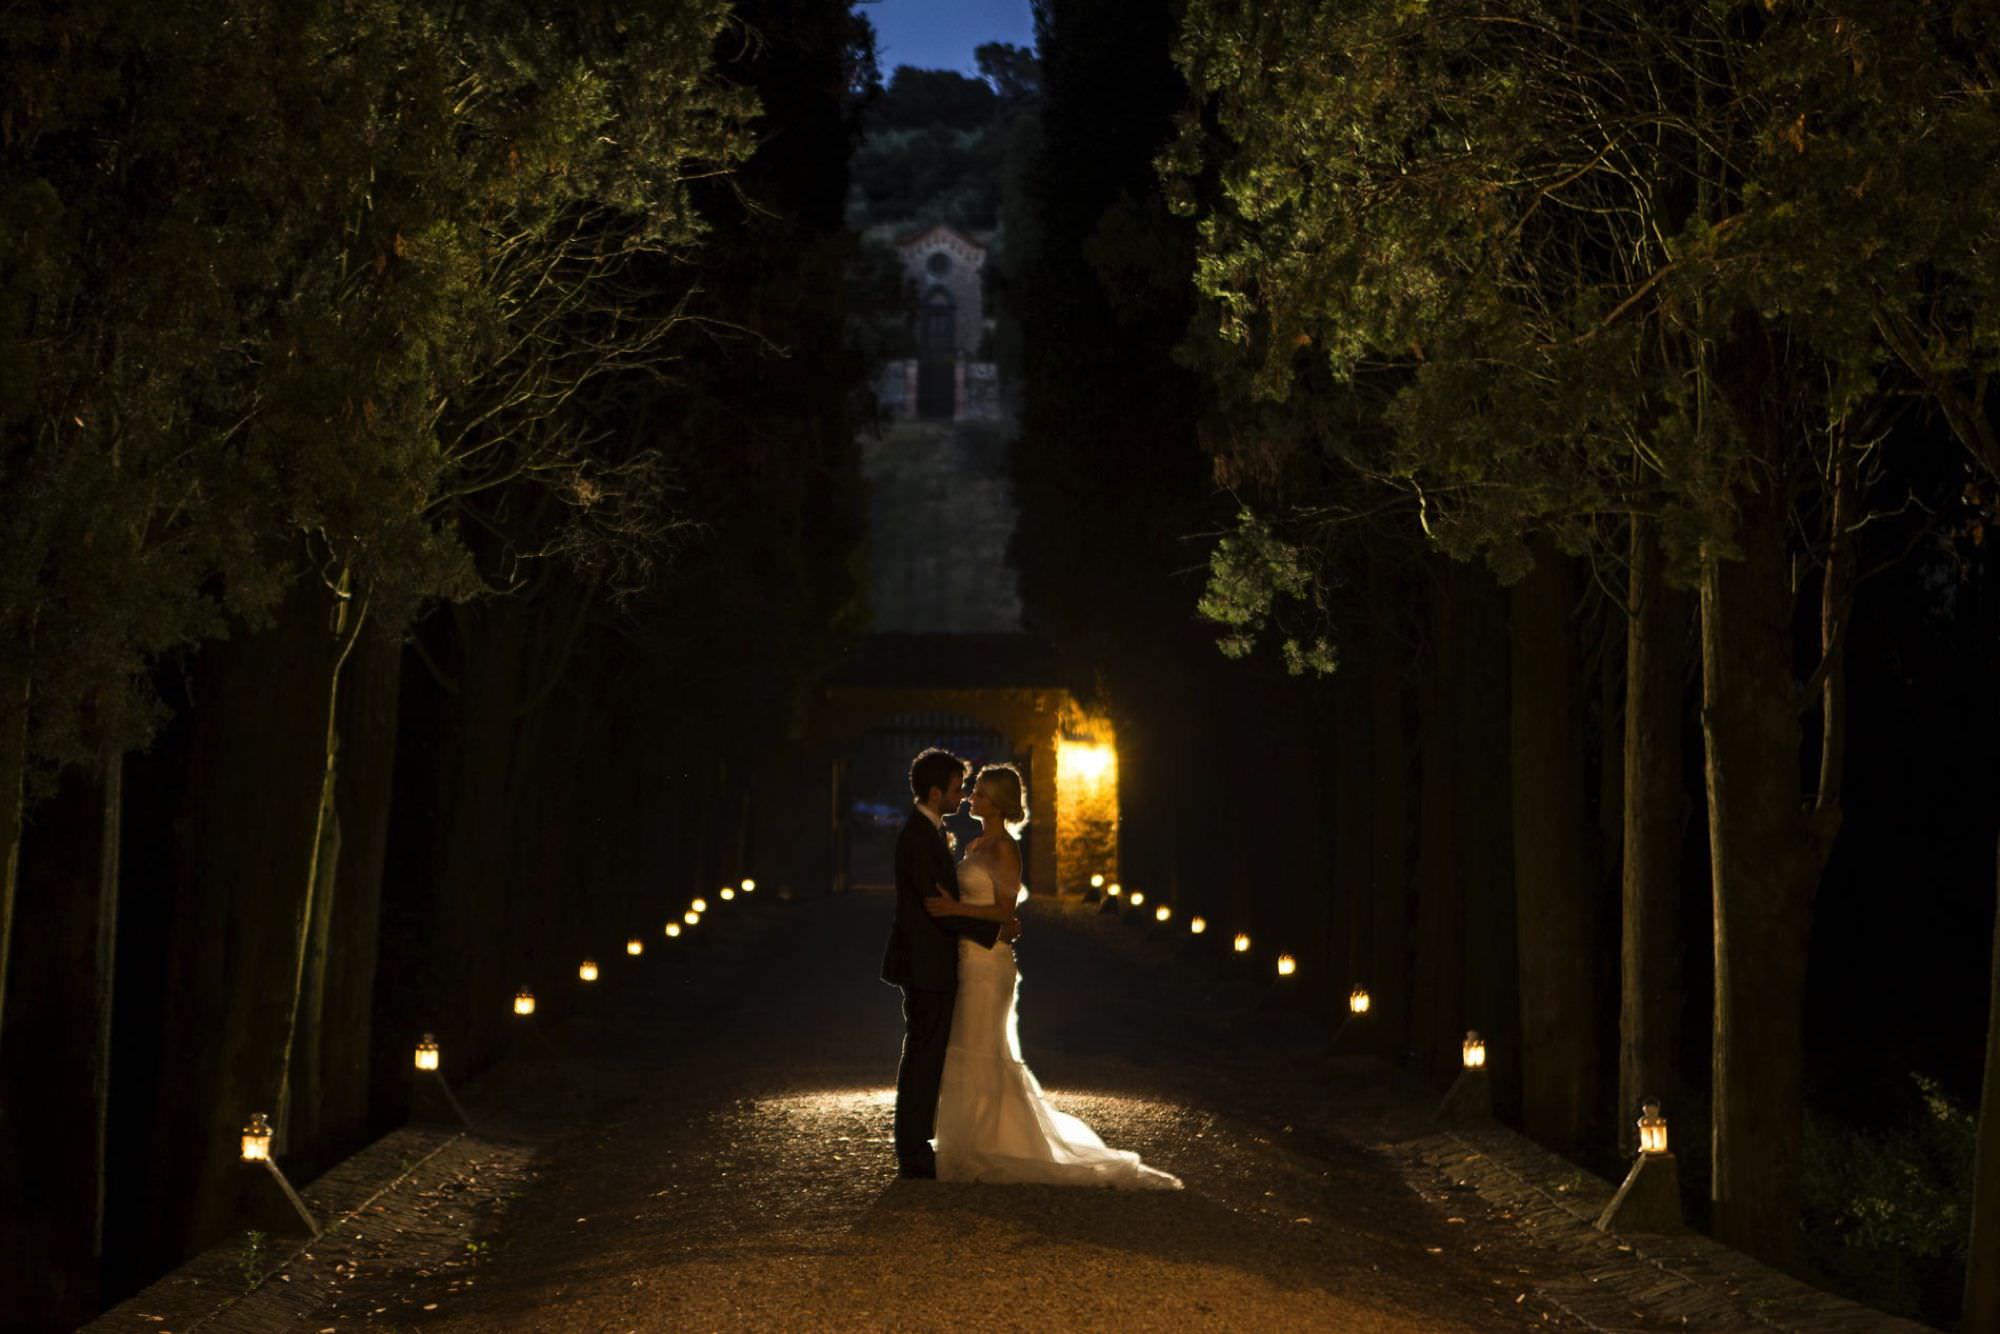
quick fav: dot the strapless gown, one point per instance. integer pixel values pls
(993, 1121)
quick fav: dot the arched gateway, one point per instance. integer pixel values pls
(984, 696)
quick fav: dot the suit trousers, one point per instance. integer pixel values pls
(926, 1034)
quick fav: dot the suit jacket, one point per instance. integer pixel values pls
(923, 950)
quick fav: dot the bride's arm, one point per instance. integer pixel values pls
(1006, 890)
(943, 905)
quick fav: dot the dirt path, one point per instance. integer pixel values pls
(720, 1160)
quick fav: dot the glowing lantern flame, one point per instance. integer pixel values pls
(1358, 1001)
(257, 1139)
(1242, 942)
(673, 928)
(635, 946)
(1115, 889)
(427, 1053)
(727, 893)
(699, 905)
(1474, 1049)
(1652, 1129)
(524, 1001)
(749, 885)
(587, 970)
(1287, 965)
(690, 917)
(1097, 882)
(1197, 925)
(1162, 913)
(1138, 898)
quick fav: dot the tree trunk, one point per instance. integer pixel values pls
(1556, 934)
(51, 1081)
(369, 698)
(1765, 860)
(15, 682)
(1438, 1019)
(1982, 1276)
(1485, 814)
(244, 846)
(1389, 835)
(1354, 793)
(105, 957)
(1655, 813)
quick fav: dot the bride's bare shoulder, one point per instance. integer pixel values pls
(1003, 845)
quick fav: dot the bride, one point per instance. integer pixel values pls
(993, 1121)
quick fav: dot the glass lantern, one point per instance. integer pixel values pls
(524, 1001)
(587, 970)
(1473, 1050)
(1097, 882)
(1287, 965)
(635, 946)
(1652, 1129)
(749, 886)
(1197, 925)
(427, 1053)
(673, 929)
(257, 1139)
(1138, 898)
(727, 893)
(690, 917)
(1162, 913)
(1358, 1001)
(699, 905)
(1114, 889)
(1242, 942)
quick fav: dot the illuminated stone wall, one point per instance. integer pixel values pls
(1086, 800)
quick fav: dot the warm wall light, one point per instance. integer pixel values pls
(587, 970)
(1162, 913)
(749, 885)
(1287, 965)
(1242, 942)
(1086, 762)
(690, 917)
(1652, 1129)
(257, 1139)
(1138, 897)
(699, 905)
(673, 928)
(1097, 882)
(727, 893)
(427, 1053)
(635, 946)
(1358, 1001)
(1197, 925)
(1474, 1050)
(524, 1001)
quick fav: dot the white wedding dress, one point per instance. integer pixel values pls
(993, 1122)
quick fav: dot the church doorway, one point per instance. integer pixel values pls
(937, 355)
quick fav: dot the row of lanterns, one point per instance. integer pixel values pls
(1197, 925)
(587, 971)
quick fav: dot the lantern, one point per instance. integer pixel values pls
(1652, 1129)
(1474, 1050)
(699, 905)
(1162, 913)
(1287, 965)
(1137, 898)
(727, 893)
(587, 970)
(1114, 889)
(673, 928)
(635, 946)
(257, 1140)
(427, 1053)
(524, 1001)
(1242, 942)
(1097, 882)
(1197, 925)
(1358, 1001)
(749, 885)
(690, 917)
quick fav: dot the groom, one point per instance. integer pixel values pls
(922, 957)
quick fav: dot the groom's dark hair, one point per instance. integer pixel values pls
(934, 769)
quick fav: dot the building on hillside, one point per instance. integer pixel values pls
(945, 271)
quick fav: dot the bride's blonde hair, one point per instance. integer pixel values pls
(1003, 785)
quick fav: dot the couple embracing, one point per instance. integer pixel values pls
(967, 1108)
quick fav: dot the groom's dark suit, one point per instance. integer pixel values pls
(922, 959)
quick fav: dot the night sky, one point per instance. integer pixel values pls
(940, 34)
